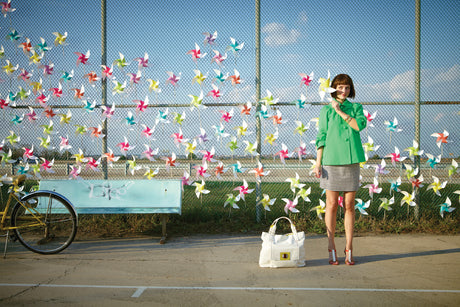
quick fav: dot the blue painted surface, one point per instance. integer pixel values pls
(119, 196)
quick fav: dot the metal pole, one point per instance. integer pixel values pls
(417, 97)
(258, 123)
(104, 82)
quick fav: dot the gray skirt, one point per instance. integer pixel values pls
(340, 178)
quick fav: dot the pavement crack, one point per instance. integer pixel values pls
(17, 294)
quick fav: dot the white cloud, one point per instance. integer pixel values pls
(278, 34)
(436, 84)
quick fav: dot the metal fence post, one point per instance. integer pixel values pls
(104, 82)
(258, 123)
(417, 99)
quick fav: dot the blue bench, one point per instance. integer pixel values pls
(121, 196)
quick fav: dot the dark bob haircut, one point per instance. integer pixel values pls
(343, 79)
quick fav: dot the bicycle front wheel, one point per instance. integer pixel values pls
(44, 222)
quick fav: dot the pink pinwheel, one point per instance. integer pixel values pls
(92, 77)
(215, 93)
(178, 138)
(4, 103)
(47, 165)
(75, 172)
(125, 147)
(108, 111)
(243, 190)
(301, 150)
(209, 38)
(31, 116)
(341, 201)
(82, 58)
(201, 170)
(373, 188)
(370, 117)
(93, 164)
(110, 157)
(107, 72)
(218, 58)
(47, 69)
(208, 155)
(28, 154)
(395, 157)
(196, 53)
(173, 79)
(24, 75)
(134, 78)
(57, 92)
(6, 8)
(64, 144)
(147, 132)
(143, 62)
(185, 180)
(283, 153)
(291, 205)
(306, 79)
(149, 152)
(220, 170)
(226, 116)
(42, 99)
(142, 104)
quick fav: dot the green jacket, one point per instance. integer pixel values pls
(342, 144)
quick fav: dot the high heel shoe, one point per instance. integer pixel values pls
(334, 260)
(348, 260)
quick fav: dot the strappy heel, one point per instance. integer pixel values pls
(334, 260)
(348, 260)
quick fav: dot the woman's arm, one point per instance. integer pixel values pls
(319, 157)
(350, 120)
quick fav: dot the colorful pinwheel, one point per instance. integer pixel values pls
(373, 188)
(437, 185)
(196, 53)
(325, 86)
(291, 205)
(320, 209)
(361, 206)
(200, 189)
(266, 202)
(295, 182)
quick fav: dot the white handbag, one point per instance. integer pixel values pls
(282, 250)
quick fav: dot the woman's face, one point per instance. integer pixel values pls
(343, 90)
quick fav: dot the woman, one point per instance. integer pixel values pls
(339, 152)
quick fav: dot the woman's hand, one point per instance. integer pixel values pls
(335, 105)
(318, 171)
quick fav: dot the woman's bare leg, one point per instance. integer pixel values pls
(349, 220)
(332, 202)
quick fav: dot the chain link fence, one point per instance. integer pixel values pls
(162, 122)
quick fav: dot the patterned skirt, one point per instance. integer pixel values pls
(340, 178)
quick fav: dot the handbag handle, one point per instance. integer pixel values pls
(273, 226)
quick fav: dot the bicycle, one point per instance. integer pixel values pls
(44, 222)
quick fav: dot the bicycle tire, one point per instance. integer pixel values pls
(57, 227)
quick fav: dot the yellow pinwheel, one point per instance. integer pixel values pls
(9, 68)
(151, 173)
(437, 185)
(65, 118)
(320, 209)
(190, 148)
(154, 86)
(60, 38)
(271, 137)
(79, 157)
(200, 190)
(199, 77)
(266, 202)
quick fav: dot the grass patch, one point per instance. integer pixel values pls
(208, 214)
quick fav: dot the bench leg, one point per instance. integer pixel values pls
(164, 219)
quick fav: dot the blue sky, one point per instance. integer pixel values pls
(373, 41)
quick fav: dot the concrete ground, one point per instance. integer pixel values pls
(221, 270)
